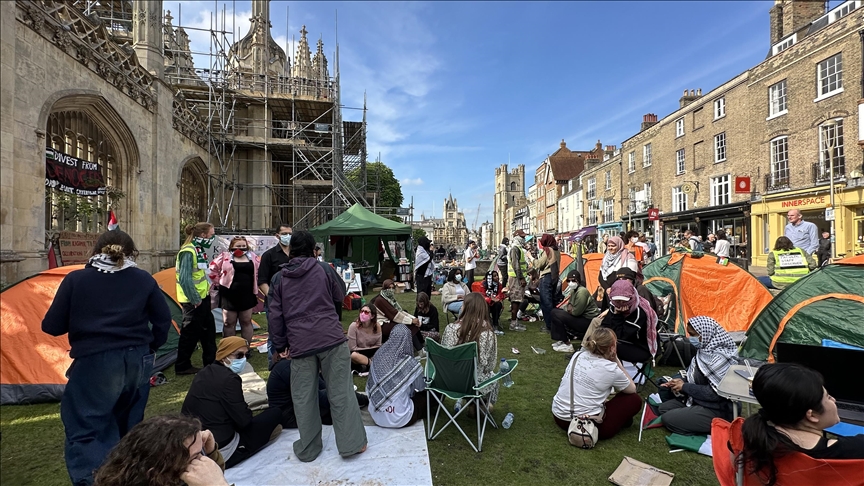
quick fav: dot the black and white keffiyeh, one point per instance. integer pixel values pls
(423, 257)
(103, 263)
(393, 368)
(716, 353)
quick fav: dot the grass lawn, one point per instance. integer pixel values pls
(533, 451)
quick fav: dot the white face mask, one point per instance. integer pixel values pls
(634, 239)
(572, 285)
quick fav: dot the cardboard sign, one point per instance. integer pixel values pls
(791, 260)
(76, 248)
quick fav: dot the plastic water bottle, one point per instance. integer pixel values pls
(508, 420)
(508, 382)
(457, 407)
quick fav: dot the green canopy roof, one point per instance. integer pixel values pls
(359, 221)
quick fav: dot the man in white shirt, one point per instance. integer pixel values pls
(471, 257)
(803, 234)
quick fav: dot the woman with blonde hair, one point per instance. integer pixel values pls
(474, 325)
(235, 272)
(364, 338)
(591, 376)
(193, 287)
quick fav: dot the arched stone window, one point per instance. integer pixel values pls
(512, 186)
(193, 194)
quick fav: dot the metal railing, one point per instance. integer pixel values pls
(776, 182)
(822, 172)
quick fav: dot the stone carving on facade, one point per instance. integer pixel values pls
(66, 26)
(187, 120)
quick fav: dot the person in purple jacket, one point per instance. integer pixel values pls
(106, 309)
(303, 319)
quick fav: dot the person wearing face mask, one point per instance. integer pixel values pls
(192, 293)
(364, 338)
(632, 319)
(453, 292)
(573, 320)
(271, 261)
(236, 273)
(632, 245)
(494, 295)
(216, 399)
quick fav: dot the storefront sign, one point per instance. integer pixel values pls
(804, 201)
(829, 214)
(76, 248)
(653, 214)
(73, 175)
(742, 185)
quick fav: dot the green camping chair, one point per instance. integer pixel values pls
(452, 372)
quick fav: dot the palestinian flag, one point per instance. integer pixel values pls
(692, 443)
(112, 221)
(650, 414)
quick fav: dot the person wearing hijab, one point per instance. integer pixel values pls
(632, 319)
(390, 312)
(494, 295)
(689, 404)
(423, 266)
(547, 266)
(396, 387)
(616, 257)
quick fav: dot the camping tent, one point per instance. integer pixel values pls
(360, 230)
(33, 364)
(825, 304)
(703, 287)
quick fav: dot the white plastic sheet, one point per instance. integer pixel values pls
(277, 465)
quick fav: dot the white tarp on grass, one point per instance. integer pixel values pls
(276, 464)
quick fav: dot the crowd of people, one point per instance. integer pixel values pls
(311, 359)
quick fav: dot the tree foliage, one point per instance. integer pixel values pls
(380, 179)
(418, 233)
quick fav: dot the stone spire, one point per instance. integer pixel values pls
(319, 63)
(302, 62)
(147, 35)
(257, 52)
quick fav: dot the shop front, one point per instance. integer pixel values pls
(768, 218)
(734, 219)
(611, 229)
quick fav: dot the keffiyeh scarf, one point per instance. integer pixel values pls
(716, 353)
(624, 288)
(389, 295)
(103, 263)
(393, 368)
(422, 258)
(491, 285)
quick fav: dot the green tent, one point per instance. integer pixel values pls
(825, 304)
(360, 230)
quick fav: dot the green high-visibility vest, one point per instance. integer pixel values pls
(789, 266)
(199, 277)
(523, 265)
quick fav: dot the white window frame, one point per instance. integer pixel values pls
(778, 99)
(679, 127)
(679, 200)
(827, 69)
(720, 147)
(592, 189)
(844, 9)
(608, 184)
(839, 149)
(719, 107)
(608, 210)
(721, 190)
(631, 162)
(631, 199)
(680, 162)
(646, 155)
(647, 188)
(784, 44)
(779, 168)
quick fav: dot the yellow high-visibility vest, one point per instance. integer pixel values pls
(199, 277)
(789, 266)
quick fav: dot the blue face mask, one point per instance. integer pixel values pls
(237, 365)
(285, 240)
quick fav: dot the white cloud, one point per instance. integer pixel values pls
(411, 182)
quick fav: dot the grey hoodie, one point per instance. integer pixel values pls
(302, 314)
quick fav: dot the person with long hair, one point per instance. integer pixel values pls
(592, 374)
(428, 316)
(423, 265)
(193, 288)
(615, 257)
(106, 309)
(494, 296)
(165, 450)
(364, 338)
(796, 410)
(453, 292)
(693, 401)
(786, 264)
(235, 272)
(721, 244)
(547, 266)
(302, 314)
(474, 325)
(396, 386)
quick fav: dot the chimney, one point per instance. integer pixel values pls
(788, 16)
(689, 97)
(648, 121)
(563, 144)
(598, 147)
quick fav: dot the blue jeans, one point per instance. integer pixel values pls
(455, 307)
(547, 295)
(766, 281)
(105, 397)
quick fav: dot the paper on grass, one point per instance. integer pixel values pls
(636, 473)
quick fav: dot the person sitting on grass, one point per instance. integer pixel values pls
(279, 395)
(574, 319)
(690, 404)
(453, 292)
(474, 325)
(591, 376)
(796, 410)
(428, 316)
(532, 296)
(494, 296)
(786, 264)
(396, 386)
(216, 398)
(390, 312)
(364, 338)
(165, 450)
(632, 319)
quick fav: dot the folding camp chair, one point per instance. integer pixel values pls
(452, 372)
(448, 314)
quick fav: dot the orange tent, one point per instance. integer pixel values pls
(167, 282)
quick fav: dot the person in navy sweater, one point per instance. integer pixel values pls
(106, 309)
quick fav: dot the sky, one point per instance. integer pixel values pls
(455, 89)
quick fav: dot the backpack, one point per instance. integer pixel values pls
(670, 358)
(696, 244)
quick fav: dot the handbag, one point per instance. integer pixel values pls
(582, 431)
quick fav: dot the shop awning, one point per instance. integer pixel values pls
(582, 233)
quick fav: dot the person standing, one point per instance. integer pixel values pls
(192, 293)
(709, 243)
(271, 260)
(721, 244)
(547, 268)
(302, 315)
(106, 308)
(517, 271)
(632, 245)
(693, 241)
(471, 257)
(804, 234)
(236, 273)
(502, 260)
(423, 266)
(824, 251)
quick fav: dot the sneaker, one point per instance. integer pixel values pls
(562, 348)
(519, 315)
(275, 434)
(362, 400)
(515, 326)
(498, 331)
(188, 371)
(543, 328)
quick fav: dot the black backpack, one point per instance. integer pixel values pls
(670, 358)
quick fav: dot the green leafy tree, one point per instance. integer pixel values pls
(418, 233)
(380, 179)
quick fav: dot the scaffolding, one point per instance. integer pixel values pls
(279, 149)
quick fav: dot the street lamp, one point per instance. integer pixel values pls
(829, 144)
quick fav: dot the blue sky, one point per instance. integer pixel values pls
(456, 89)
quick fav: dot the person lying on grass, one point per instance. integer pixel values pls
(166, 450)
